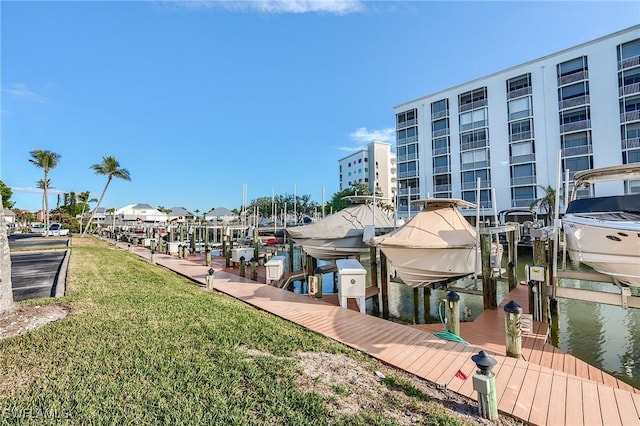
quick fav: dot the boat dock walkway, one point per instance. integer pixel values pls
(548, 388)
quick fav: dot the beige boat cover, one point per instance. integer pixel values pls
(436, 226)
(347, 222)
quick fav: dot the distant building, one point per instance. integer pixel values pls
(374, 166)
(180, 214)
(220, 214)
(133, 213)
(506, 129)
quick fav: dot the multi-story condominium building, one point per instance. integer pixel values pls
(374, 166)
(508, 129)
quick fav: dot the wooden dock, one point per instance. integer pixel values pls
(547, 387)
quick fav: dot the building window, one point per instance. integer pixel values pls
(473, 140)
(359, 160)
(574, 66)
(629, 51)
(439, 109)
(407, 118)
(519, 108)
(474, 97)
(473, 119)
(519, 82)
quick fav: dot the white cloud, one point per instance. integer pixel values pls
(364, 135)
(338, 7)
(37, 190)
(20, 90)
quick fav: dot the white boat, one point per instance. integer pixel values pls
(438, 244)
(342, 234)
(604, 232)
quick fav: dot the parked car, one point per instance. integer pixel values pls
(56, 230)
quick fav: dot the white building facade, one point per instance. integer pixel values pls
(507, 129)
(374, 166)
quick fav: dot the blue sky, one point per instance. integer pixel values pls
(198, 99)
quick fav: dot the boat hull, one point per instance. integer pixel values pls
(332, 249)
(609, 247)
(421, 267)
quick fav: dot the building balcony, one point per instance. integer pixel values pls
(629, 89)
(627, 117)
(484, 184)
(519, 159)
(573, 102)
(409, 174)
(440, 151)
(577, 151)
(519, 93)
(631, 143)
(405, 124)
(405, 141)
(523, 180)
(473, 105)
(474, 125)
(474, 166)
(629, 63)
(442, 188)
(405, 191)
(572, 78)
(575, 126)
(467, 146)
(407, 157)
(439, 114)
(521, 136)
(520, 114)
(440, 170)
(524, 202)
(439, 133)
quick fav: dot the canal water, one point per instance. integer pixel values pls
(605, 336)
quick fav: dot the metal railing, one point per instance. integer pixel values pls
(577, 150)
(629, 62)
(526, 158)
(519, 92)
(473, 105)
(441, 132)
(520, 136)
(574, 102)
(572, 78)
(574, 126)
(439, 114)
(523, 180)
(405, 124)
(626, 117)
(629, 89)
(520, 114)
(476, 165)
(631, 143)
(467, 146)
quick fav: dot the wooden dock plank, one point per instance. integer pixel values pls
(573, 411)
(608, 406)
(522, 408)
(512, 388)
(591, 404)
(629, 413)
(557, 401)
(540, 403)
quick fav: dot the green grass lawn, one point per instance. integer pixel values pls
(142, 345)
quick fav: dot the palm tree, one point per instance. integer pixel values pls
(83, 197)
(546, 203)
(111, 169)
(45, 160)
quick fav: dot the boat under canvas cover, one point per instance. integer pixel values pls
(340, 235)
(437, 244)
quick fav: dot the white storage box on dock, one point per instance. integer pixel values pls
(246, 252)
(274, 268)
(351, 278)
(173, 247)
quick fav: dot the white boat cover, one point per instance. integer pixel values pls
(436, 226)
(347, 222)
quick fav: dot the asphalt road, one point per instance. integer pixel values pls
(34, 274)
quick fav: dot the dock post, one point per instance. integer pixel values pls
(540, 259)
(416, 306)
(193, 240)
(254, 270)
(384, 277)
(426, 301)
(453, 313)
(181, 233)
(489, 283)
(373, 255)
(513, 329)
(210, 279)
(291, 265)
(256, 244)
(484, 382)
(553, 301)
(151, 256)
(512, 266)
(318, 273)
(242, 266)
(207, 255)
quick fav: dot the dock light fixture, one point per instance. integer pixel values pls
(484, 362)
